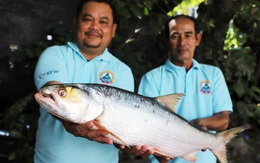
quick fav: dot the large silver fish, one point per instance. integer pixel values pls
(132, 119)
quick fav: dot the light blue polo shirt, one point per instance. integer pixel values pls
(65, 64)
(205, 89)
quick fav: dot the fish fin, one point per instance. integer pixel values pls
(112, 134)
(160, 154)
(227, 135)
(170, 100)
(191, 157)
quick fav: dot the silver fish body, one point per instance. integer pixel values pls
(132, 119)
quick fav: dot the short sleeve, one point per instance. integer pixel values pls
(221, 97)
(50, 67)
(125, 79)
(147, 88)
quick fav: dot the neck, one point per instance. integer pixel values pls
(91, 53)
(183, 63)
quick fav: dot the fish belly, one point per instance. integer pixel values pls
(147, 124)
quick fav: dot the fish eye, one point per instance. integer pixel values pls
(62, 93)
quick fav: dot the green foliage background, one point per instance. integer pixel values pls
(140, 44)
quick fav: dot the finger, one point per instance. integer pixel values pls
(142, 151)
(86, 129)
(119, 146)
(90, 125)
(146, 152)
(204, 127)
(96, 135)
(103, 140)
(137, 150)
(133, 150)
(162, 159)
(73, 128)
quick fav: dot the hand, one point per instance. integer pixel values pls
(200, 123)
(217, 122)
(144, 152)
(87, 130)
(163, 159)
(136, 150)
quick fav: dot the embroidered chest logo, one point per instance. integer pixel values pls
(205, 87)
(107, 77)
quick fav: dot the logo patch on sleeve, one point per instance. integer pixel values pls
(107, 77)
(205, 87)
(47, 73)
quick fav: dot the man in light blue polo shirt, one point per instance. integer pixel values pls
(207, 102)
(85, 61)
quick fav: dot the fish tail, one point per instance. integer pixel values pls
(227, 136)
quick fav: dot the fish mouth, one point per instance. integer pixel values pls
(45, 98)
(46, 95)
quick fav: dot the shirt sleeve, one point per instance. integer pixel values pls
(125, 79)
(221, 97)
(50, 67)
(148, 88)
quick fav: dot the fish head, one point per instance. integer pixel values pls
(70, 102)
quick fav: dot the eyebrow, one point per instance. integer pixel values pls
(189, 32)
(103, 17)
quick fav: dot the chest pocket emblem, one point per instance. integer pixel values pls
(107, 77)
(205, 87)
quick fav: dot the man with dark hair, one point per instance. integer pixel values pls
(87, 60)
(207, 102)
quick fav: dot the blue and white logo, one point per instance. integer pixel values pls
(205, 87)
(107, 77)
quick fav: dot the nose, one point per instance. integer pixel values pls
(182, 40)
(94, 25)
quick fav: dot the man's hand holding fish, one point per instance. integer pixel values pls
(142, 151)
(87, 130)
(90, 131)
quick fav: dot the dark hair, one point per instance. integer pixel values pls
(111, 5)
(166, 27)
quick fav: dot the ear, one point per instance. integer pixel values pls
(198, 38)
(114, 29)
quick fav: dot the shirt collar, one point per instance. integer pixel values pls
(172, 67)
(106, 56)
(195, 64)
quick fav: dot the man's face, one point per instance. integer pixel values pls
(94, 26)
(183, 40)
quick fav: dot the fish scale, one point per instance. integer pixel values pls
(132, 119)
(146, 128)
